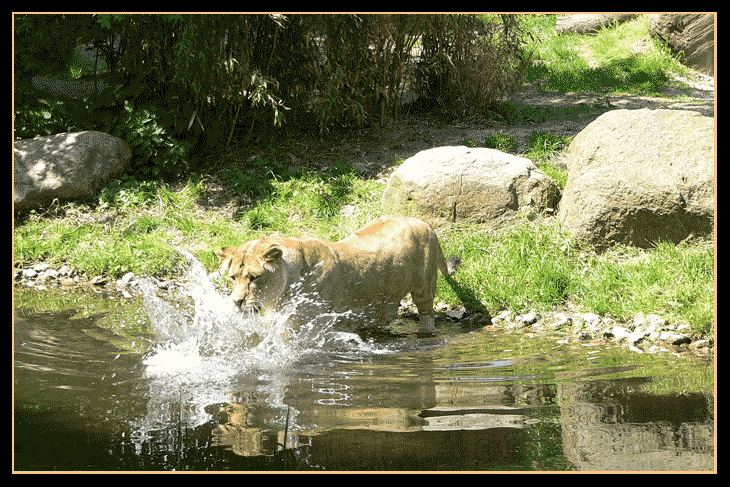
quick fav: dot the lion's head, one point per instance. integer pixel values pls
(257, 272)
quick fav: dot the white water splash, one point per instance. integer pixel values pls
(205, 346)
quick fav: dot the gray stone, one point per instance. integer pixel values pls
(674, 338)
(479, 185)
(455, 314)
(65, 166)
(51, 274)
(504, 315)
(29, 273)
(691, 36)
(528, 318)
(560, 320)
(699, 344)
(98, 280)
(65, 270)
(638, 176)
(636, 336)
(41, 267)
(588, 23)
(127, 278)
(619, 333)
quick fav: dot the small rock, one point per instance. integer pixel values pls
(674, 338)
(29, 273)
(65, 270)
(619, 333)
(163, 284)
(635, 349)
(126, 294)
(683, 327)
(561, 320)
(51, 274)
(528, 318)
(40, 267)
(699, 344)
(636, 336)
(441, 306)
(127, 278)
(562, 341)
(504, 315)
(98, 280)
(455, 314)
(18, 274)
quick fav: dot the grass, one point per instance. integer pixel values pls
(534, 265)
(620, 59)
(501, 141)
(136, 227)
(542, 148)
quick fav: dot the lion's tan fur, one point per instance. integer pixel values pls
(368, 272)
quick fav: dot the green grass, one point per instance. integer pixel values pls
(501, 141)
(620, 59)
(534, 265)
(529, 265)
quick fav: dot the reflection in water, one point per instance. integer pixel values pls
(609, 426)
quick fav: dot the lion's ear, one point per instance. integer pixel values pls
(271, 256)
(225, 252)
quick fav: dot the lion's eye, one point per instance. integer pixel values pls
(233, 278)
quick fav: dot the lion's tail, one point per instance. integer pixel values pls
(450, 265)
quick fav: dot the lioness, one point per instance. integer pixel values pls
(368, 272)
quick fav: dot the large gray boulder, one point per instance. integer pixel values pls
(638, 176)
(66, 166)
(690, 35)
(586, 23)
(455, 184)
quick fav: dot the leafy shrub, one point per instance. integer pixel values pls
(154, 153)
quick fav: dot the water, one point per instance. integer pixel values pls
(216, 390)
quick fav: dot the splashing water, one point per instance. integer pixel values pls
(205, 346)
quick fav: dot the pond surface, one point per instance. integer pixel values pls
(87, 398)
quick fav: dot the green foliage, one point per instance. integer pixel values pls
(45, 117)
(542, 146)
(155, 154)
(501, 141)
(220, 78)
